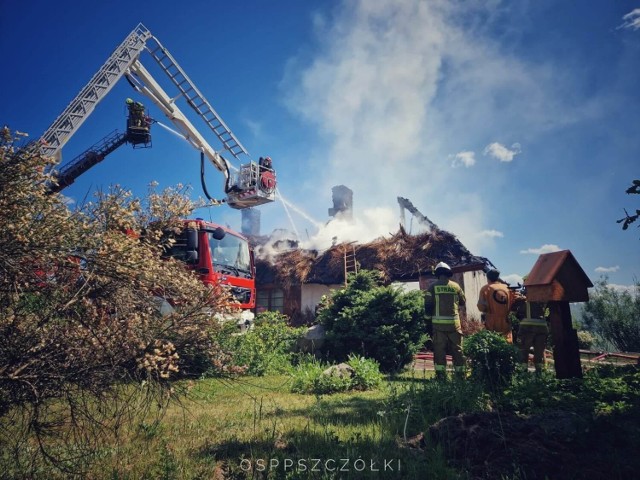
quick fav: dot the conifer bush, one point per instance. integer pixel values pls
(374, 321)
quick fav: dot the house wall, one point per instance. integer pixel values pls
(312, 292)
(407, 286)
(472, 282)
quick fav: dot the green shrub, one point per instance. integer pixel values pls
(309, 376)
(267, 348)
(529, 394)
(366, 374)
(604, 389)
(493, 360)
(373, 321)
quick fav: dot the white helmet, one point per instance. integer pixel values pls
(442, 269)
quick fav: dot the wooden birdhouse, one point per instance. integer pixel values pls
(557, 279)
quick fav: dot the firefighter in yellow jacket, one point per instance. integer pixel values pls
(441, 303)
(533, 331)
(495, 302)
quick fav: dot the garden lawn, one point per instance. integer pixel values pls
(254, 428)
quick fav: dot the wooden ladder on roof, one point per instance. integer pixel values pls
(350, 262)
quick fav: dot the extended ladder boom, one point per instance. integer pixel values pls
(98, 87)
(144, 82)
(253, 185)
(196, 100)
(87, 159)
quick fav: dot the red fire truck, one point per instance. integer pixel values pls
(218, 255)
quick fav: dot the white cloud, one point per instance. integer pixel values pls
(513, 279)
(631, 20)
(502, 153)
(491, 234)
(607, 269)
(546, 248)
(467, 223)
(468, 159)
(386, 89)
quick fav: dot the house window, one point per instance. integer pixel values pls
(270, 299)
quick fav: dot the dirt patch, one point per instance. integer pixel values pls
(554, 445)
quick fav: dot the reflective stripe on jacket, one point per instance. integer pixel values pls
(442, 301)
(534, 315)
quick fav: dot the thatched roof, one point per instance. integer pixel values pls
(399, 257)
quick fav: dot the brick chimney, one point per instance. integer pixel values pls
(342, 202)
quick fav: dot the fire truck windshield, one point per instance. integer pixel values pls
(231, 251)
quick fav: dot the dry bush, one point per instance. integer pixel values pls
(83, 348)
(469, 325)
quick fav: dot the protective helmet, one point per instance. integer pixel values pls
(442, 269)
(493, 274)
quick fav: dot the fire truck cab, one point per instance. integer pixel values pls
(219, 256)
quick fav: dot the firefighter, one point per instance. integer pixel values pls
(533, 331)
(267, 175)
(441, 304)
(136, 110)
(265, 164)
(495, 302)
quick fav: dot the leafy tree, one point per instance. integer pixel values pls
(614, 315)
(374, 321)
(634, 189)
(80, 331)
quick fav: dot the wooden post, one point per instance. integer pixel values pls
(558, 279)
(566, 353)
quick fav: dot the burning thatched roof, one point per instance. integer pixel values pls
(399, 257)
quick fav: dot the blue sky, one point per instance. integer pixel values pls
(513, 125)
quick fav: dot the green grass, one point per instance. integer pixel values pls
(256, 428)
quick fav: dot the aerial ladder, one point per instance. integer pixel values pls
(251, 185)
(138, 134)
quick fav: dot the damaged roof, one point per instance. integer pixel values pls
(399, 257)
